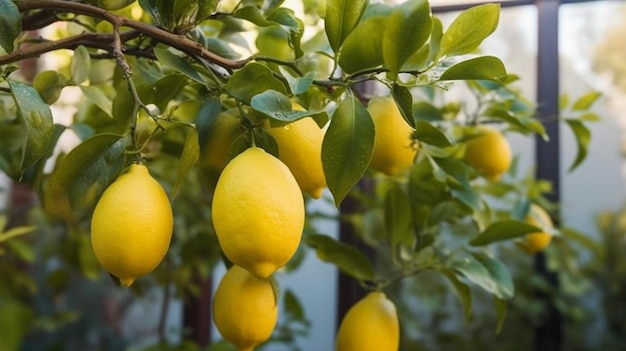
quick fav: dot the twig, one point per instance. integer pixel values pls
(180, 42)
(93, 40)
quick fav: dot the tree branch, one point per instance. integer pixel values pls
(180, 42)
(92, 40)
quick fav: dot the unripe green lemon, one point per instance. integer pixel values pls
(132, 225)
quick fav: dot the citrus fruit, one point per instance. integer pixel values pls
(244, 308)
(489, 153)
(132, 225)
(394, 150)
(300, 148)
(258, 212)
(536, 242)
(370, 325)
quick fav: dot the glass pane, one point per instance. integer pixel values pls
(592, 48)
(434, 318)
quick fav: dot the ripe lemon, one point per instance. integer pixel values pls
(370, 325)
(258, 212)
(489, 153)
(300, 148)
(394, 150)
(244, 308)
(132, 225)
(536, 242)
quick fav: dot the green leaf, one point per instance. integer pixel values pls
(81, 65)
(298, 85)
(456, 175)
(98, 98)
(501, 308)
(426, 111)
(586, 101)
(206, 119)
(363, 47)
(188, 158)
(487, 272)
(503, 230)
(482, 67)
(408, 28)
(424, 188)
(10, 25)
(469, 29)
(87, 261)
(82, 175)
(252, 14)
(461, 289)
(177, 63)
(206, 8)
(22, 249)
(583, 136)
(277, 106)
(252, 80)
(398, 223)
(347, 147)
(15, 232)
(342, 16)
(427, 133)
(347, 258)
(404, 100)
(293, 307)
(36, 118)
(563, 101)
(49, 85)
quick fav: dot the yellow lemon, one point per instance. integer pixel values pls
(132, 225)
(370, 325)
(300, 148)
(489, 153)
(394, 150)
(258, 212)
(244, 309)
(537, 242)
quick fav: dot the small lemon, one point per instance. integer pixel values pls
(370, 325)
(489, 153)
(258, 212)
(244, 308)
(537, 242)
(300, 148)
(394, 150)
(132, 225)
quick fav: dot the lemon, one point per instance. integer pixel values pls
(370, 325)
(394, 150)
(489, 153)
(258, 212)
(536, 242)
(300, 148)
(244, 308)
(132, 225)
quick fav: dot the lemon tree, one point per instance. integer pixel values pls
(204, 127)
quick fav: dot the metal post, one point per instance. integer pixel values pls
(549, 335)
